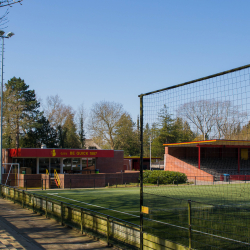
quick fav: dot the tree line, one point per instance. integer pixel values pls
(28, 124)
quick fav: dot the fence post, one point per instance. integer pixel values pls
(46, 208)
(189, 224)
(82, 220)
(108, 230)
(61, 213)
(42, 183)
(23, 198)
(33, 203)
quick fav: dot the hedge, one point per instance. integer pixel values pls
(163, 177)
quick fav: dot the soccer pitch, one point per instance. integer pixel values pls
(219, 212)
(124, 203)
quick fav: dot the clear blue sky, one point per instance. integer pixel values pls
(114, 50)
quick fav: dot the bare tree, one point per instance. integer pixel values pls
(219, 119)
(56, 111)
(103, 121)
(5, 3)
(62, 118)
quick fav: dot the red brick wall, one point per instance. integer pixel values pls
(45, 181)
(127, 164)
(12, 180)
(174, 164)
(96, 180)
(31, 180)
(111, 165)
(121, 178)
(82, 181)
(6, 159)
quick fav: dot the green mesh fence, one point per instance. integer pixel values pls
(201, 129)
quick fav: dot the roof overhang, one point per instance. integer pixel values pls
(144, 158)
(211, 143)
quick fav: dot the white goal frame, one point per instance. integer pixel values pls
(18, 171)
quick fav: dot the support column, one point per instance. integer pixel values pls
(238, 160)
(49, 166)
(61, 165)
(81, 164)
(199, 157)
(37, 165)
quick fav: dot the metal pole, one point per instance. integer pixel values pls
(141, 173)
(150, 150)
(189, 224)
(62, 213)
(82, 220)
(108, 230)
(1, 139)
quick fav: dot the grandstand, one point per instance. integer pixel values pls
(209, 159)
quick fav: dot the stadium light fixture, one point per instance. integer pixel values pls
(9, 34)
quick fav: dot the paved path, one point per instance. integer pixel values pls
(22, 229)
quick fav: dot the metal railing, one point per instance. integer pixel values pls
(113, 230)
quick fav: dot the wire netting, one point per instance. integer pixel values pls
(200, 129)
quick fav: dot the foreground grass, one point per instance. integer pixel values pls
(217, 210)
(122, 203)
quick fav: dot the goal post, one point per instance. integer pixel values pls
(18, 171)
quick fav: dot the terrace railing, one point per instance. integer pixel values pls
(113, 230)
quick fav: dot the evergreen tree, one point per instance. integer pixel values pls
(69, 132)
(126, 137)
(44, 133)
(81, 133)
(20, 111)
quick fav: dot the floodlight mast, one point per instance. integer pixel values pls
(10, 34)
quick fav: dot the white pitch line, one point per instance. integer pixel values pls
(95, 205)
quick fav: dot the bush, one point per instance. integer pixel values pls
(164, 177)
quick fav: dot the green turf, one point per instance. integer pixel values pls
(110, 201)
(221, 194)
(221, 210)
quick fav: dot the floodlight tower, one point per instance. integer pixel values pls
(10, 34)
